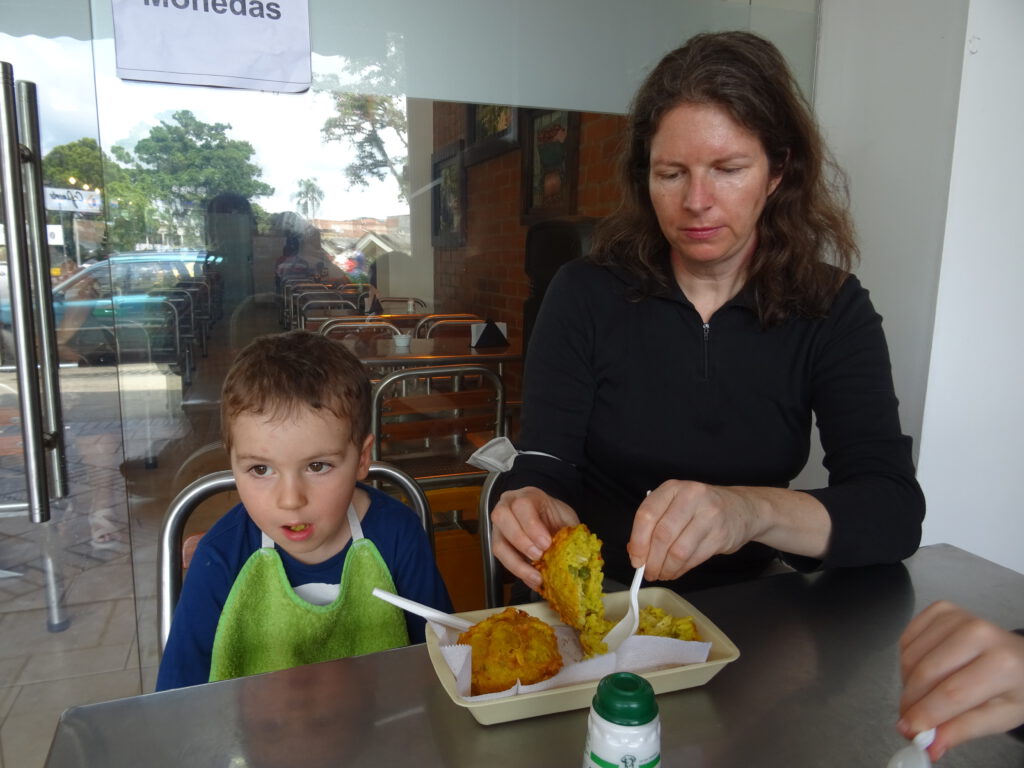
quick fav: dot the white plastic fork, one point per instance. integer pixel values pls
(913, 755)
(628, 624)
(424, 611)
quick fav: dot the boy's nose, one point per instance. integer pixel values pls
(291, 494)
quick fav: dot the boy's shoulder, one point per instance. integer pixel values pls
(388, 513)
(233, 531)
(383, 504)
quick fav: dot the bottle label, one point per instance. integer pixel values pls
(625, 761)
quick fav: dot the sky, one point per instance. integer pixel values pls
(284, 129)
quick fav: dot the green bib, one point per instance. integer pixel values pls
(266, 626)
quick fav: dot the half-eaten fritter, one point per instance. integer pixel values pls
(571, 569)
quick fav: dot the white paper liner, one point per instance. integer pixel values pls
(639, 653)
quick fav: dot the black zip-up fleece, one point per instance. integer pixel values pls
(631, 393)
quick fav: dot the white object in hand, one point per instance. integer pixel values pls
(913, 755)
(424, 611)
(628, 624)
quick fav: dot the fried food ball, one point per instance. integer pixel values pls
(571, 569)
(510, 646)
(655, 621)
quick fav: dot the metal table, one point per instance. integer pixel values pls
(441, 350)
(816, 684)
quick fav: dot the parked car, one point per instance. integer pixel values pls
(127, 307)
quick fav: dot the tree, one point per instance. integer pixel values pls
(81, 160)
(90, 168)
(371, 121)
(309, 197)
(184, 163)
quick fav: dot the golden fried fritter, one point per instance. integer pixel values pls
(509, 646)
(655, 621)
(571, 569)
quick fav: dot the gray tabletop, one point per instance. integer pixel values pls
(816, 684)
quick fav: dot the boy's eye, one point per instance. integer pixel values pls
(318, 467)
(259, 469)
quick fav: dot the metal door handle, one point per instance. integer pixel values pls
(46, 328)
(19, 274)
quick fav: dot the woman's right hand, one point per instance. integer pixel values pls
(522, 523)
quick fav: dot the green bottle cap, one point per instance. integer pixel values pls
(625, 699)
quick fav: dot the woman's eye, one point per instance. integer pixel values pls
(318, 467)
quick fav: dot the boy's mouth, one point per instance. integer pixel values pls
(298, 531)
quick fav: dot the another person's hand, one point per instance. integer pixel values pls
(523, 521)
(682, 523)
(961, 674)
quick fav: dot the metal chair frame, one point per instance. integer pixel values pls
(444, 414)
(358, 323)
(451, 327)
(170, 572)
(426, 321)
(493, 596)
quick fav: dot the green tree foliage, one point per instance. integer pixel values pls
(80, 160)
(364, 121)
(183, 163)
(87, 164)
(308, 197)
(372, 122)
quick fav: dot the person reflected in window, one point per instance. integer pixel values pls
(687, 355)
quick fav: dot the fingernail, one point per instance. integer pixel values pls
(902, 727)
(533, 553)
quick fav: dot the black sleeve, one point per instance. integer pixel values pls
(558, 391)
(873, 497)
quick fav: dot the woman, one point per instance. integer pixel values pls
(686, 356)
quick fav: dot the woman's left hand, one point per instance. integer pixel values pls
(682, 523)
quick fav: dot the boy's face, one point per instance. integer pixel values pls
(296, 477)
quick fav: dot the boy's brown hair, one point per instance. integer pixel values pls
(277, 374)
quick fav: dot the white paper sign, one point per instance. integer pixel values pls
(58, 199)
(255, 44)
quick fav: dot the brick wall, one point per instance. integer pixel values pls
(485, 276)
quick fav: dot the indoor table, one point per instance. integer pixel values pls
(381, 355)
(816, 684)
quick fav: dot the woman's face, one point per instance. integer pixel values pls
(709, 181)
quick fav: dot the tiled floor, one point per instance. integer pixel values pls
(102, 567)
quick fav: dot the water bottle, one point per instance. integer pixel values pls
(623, 730)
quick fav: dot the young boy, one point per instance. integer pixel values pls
(286, 577)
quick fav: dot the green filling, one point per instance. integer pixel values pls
(582, 573)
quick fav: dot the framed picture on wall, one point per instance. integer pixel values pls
(491, 130)
(448, 197)
(550, 163)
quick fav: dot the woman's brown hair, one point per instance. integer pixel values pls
(805, 226)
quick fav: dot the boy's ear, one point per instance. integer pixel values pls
(363, 469)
